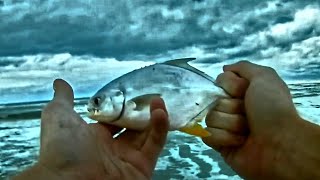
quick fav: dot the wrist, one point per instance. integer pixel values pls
(37, 171)
(298, 151)
(40, 171)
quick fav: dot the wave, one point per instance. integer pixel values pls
(32, 110)
(29, 78)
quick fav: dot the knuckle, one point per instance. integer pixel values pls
(219, 103)
(47, 110)
(230, 76)
(224, 79)
(232, 106)
(270, 70)
(52, 109)
(242, 84)
(239, 88)
(244, 62)
(208, 119)
(219, 78)
(211, 118)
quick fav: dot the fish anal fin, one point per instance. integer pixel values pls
(143, 100)
(196, 130)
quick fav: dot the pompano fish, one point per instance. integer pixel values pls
(188, 93)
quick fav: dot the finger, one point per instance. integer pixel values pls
(63, 92)
(231, 106)
(137, 139)
(113, 129)
(221, 139)
(231, 122)
(134, 139)
(157, 103)
(232, 84)
(110, 129)
(157, 136)
(245, 69)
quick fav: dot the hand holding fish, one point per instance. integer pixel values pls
(276, 143)
(226, 120)
(72, 149)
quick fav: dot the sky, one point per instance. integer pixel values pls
(101, 39)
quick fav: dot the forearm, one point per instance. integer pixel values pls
(299, 156)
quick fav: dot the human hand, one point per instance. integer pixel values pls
(262, 132)
(71, 148)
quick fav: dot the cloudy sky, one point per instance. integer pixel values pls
(284, 34)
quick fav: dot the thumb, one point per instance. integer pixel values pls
(63, 92)
(57, 113)
(57, 117)
(245, 69)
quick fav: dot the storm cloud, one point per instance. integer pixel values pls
(213, 30)
(90, 42)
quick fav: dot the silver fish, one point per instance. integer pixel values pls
(188, 93)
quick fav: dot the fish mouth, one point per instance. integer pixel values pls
(93, 112)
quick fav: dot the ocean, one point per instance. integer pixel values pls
(184, 156)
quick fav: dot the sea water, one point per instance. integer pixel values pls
(184, 156)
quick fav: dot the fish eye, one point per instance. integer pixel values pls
(118, 93)
(97, 101)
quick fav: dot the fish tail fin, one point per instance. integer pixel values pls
(196, 130)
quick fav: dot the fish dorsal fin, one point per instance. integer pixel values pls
(183, 63)
(143, 100)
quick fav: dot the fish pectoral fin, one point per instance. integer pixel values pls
(196, 130)
(143, 100)
(130, 105)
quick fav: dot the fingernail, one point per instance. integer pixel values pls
(225, 67)
(160, 116)
(63, 91)
(57, 86)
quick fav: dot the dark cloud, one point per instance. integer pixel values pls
(219, 29)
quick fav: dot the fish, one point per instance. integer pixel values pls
(188, 93)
